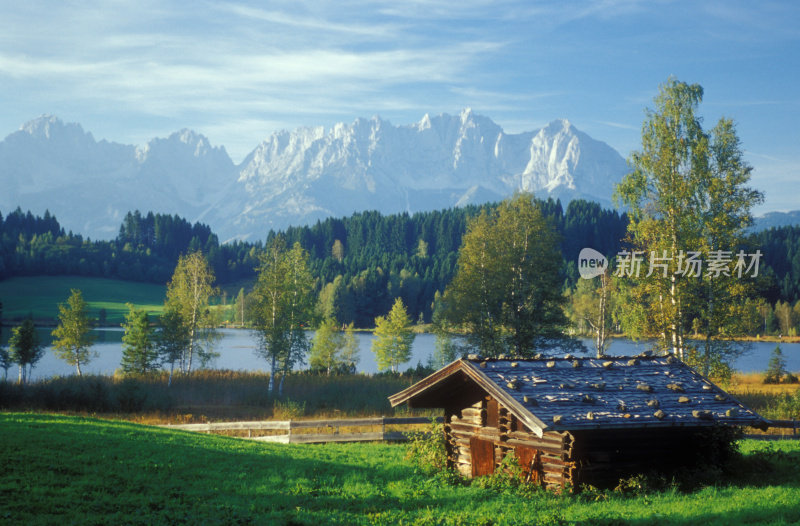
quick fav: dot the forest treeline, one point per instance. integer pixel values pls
(361, 263)
(145, 250)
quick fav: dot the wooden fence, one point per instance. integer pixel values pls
(367, 429)
(794, 425)
(314, 431)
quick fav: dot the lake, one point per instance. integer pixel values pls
(237, 352)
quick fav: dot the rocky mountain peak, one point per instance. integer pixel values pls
(295, 177)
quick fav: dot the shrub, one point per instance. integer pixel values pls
(426, 449)
(509, 478)
(288, 409)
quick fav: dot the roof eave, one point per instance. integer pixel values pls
(409, 392)
(509, 402)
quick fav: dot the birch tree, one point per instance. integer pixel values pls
(188, 294)
(72, 338)
(349, 355)
(283, 308)
(239, 307)
(5, 357)
(591, 305)
(332, 349)
(172, 339)
(687, 196)
(393, 338)
(326, 346)
(507, 290)
(25, 348)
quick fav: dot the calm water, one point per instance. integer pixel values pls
(237, 348)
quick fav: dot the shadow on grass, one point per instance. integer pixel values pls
(93, 470)
(66, 469)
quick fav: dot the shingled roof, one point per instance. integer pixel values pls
(559, 394)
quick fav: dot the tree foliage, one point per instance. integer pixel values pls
(593, 306)
(139, 352)
(283, 306)
(687, 193)
(188, 294)
(172, 338)
(333, 350)
(776, 369)
(393, 338)
(25, 348)
(5, 357)
(72, 338)
(507, 289)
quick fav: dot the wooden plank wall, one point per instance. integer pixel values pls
(548, 459)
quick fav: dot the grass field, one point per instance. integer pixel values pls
(70, 470)
(41, 295)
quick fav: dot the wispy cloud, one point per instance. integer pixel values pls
(238, 70)
(620, 125)
(381, 31)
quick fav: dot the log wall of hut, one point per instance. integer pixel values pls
(481, 435)
(604, 456)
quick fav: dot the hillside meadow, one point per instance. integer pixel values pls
(40, 296)
(74, 470)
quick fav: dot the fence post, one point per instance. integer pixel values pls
(383, 428)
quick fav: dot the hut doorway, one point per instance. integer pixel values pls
(482, 452)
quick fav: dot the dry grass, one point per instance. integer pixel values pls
(742, 383)
(212, 396)
(772, 401)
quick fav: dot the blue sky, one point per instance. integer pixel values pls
(237, 71)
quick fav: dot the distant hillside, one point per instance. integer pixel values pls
(777, 219)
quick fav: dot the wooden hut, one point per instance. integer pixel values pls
(574, 421)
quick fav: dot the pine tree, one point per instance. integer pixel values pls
(139, 353)
(72, 339)
(776, 369)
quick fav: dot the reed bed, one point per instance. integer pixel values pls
(212, 395)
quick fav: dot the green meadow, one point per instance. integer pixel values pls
(76, 470)
(40, 296)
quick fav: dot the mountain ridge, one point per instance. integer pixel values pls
(297, 177)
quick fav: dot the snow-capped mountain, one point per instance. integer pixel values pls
(90, 186)
(300, 176)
